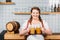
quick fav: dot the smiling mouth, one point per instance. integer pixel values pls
(35, 16)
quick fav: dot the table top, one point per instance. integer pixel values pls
(13, 36)
(52, 37)
(17, 36)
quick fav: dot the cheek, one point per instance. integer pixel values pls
(37, 15)
(33, 14)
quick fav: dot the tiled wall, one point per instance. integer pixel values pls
(6, 13)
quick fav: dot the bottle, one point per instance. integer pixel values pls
(58, 8)
(8, 0)
(52, 9)
(55, 8)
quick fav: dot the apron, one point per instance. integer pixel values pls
(34, 37)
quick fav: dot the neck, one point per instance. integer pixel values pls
(35, 19)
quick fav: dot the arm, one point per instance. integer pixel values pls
(46, 28)
(23, 32)
(23, 29)
(47, 31)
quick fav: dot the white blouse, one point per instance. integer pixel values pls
(34, 25)
(35, 37)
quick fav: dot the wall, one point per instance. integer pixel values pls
(6, 13)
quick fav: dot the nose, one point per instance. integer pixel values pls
(35, 13)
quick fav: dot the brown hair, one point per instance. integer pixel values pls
(39, 15)
(30, 20)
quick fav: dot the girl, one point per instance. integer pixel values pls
(35, 21)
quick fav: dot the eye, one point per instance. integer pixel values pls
(33, 12)
(37, 12)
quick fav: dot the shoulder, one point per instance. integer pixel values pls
(44, 21)
(45, 24)
(25, 21)
(24, 24)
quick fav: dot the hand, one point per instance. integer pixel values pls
(43, 29)
(28, 29)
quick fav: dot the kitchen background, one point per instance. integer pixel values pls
(7, 12)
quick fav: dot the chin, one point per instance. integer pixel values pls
(35, 18)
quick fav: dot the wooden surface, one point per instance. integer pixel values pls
(53, 37)
(8, 36)
(13, 37)
(6, 2)
(27, 13)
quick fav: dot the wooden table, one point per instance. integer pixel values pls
(13, 37)
(52, 37)
(18, 37)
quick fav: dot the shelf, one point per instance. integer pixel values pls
(27, 13)
(7, 3)
(44, 13)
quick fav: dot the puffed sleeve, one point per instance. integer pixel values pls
(45, 24)
(24, 25)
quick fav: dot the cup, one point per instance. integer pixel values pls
(32, 30)
(38, 30)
